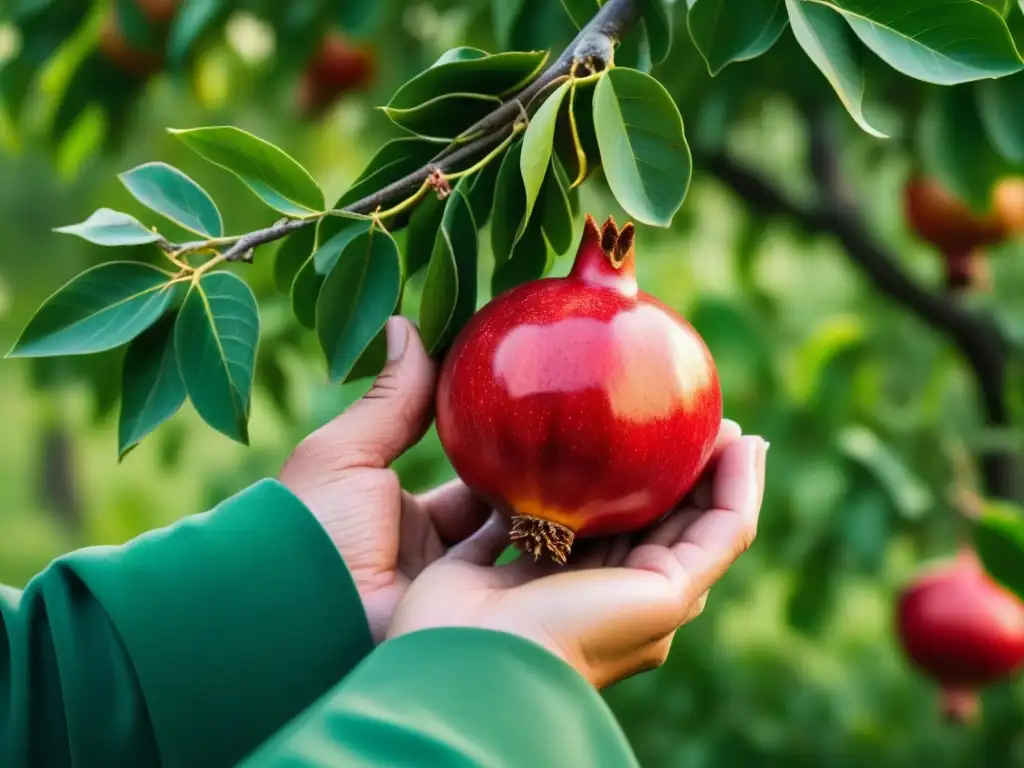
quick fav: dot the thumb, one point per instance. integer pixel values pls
(396, 412)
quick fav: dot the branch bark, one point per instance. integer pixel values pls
(980, 343)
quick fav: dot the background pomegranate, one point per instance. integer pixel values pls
(119, 50)
(962, 629)
(579, 406)
(337, 67)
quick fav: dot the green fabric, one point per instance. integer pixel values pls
(189, 646)
(454, 697)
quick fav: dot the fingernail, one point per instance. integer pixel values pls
(397, 336)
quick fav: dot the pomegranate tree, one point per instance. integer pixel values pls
(962, 629)
(579, 406)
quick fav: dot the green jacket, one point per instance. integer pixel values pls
(237, 637)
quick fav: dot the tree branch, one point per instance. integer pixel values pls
(980, 343)
(611, 23)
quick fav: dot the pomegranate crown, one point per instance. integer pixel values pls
(607, 256)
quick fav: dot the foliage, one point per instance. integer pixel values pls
(867, 411)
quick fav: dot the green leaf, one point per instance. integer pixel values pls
(305, 292)
(509, 205)
(726, 31)
(422, 234)
(644, 152)
(572, 194)
(461, 87)
(1001, 106)
(292, 254)
(444, 117)
(556, 213)
(531, 259)
(1002, 7)
(449, 291)
(956, 41)
(215, 339)
(537, 146)
(133, 24)
(954, 147)
(100, 309)
(581, 11)
(111, 228)
(481, 192)
(194, 18)
(909, 495)
(327, 255)
(152, 389)
(276, 178)
(657, 20)
(166, 190)
(829, 43)
(359, 19)
(358, 296)
(999, 542)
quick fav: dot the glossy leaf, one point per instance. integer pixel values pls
(530, 260)
(954, 147)
(581, 11)
(481, 192)
(956, 41)
(422, 233)
(101, 309)
(657, 21)
(357, 298)
(1001, 106)
(273, 175)
(294, 251)
(556, 213)
(462, 86)
(999, 542)
(191, 21)
(509, 205)
(644, 152)
(152, 388)
(829, 43)
(166, 190)
(111, 228)
(447, 291)
(327, 255)
(215, 340)
(305, 292)
(538, 142)
(444, 117)
(726, 31)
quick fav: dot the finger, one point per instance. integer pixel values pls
(390, 418)
(456, 512)
(486, 545)
(708, 543)
(729, 433)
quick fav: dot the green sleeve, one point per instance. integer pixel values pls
(454, 697)
(188, 646)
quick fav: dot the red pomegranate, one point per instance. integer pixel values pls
(579, 406)
(939, 218)
(337, 66)
(961, 628)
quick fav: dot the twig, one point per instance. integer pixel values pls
(611, 22)
(979, 342)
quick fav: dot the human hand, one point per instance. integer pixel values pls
(613, 611)
(341, 472)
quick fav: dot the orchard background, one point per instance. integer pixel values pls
(885, 373)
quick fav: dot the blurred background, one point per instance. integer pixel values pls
(873, 416)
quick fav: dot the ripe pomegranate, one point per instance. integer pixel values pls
(939, 218)
(1008, 200)
(116, 47)
(963, 629)
(337, 67)
(579, 406)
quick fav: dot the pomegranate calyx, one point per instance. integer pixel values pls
(607, 256)
(960, 705)
(537, 537)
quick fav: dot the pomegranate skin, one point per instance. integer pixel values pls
(961, 628)
(580, 400)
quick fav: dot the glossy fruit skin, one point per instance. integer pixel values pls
(580, 400)
(960, 627)
(337, 67)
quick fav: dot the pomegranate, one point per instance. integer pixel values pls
(116, 47)
(939, 218)
(338, 66)
(1009, 204)
(579, 406)
(963, 629)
